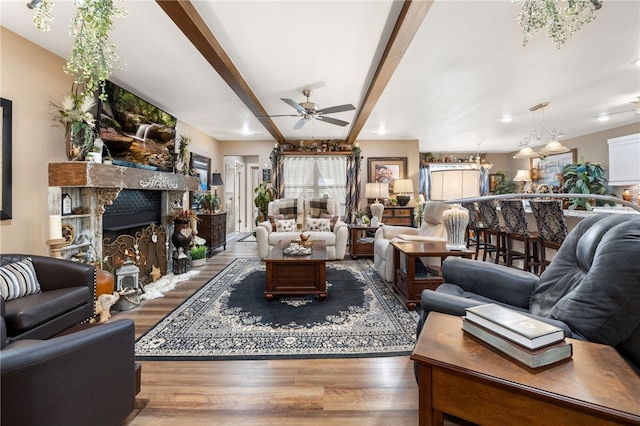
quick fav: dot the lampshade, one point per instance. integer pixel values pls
(403, 186)
(554, 147)
(522, 176)
(216, 179)
(376, 190)
(526, 152)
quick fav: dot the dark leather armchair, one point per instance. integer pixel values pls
(66, 299)
(591, 288)
(81, 378)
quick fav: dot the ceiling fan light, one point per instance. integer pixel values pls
(526, 152)
(554, 147)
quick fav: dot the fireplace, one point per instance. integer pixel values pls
(125, 207)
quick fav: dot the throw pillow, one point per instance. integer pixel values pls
(18, 279)
(273, 218)
(318, 225)
(288, 207)
(287, 225)
(332, 219)
(317, 206)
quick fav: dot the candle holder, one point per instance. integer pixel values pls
(55, 246)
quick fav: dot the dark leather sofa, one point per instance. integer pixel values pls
(591, 289)
(66, 299)
(80, 378)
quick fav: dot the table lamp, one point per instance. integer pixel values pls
(377, 190)
(216, 180)
(403, 187)
(522, 176)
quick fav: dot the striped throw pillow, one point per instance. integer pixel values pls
(18, 279)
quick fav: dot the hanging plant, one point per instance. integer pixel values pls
(93, 57)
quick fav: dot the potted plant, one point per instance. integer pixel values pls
(360, 215)
(584, 178)
(198, 255)
(75, 117)
(504, 185)
(264, 195)
(393, 201)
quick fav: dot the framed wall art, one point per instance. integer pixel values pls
(201, 166)
(5, 160)
(548, 170)
(387, 170)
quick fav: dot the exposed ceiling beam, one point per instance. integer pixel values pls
(185, 16)
(408, 23)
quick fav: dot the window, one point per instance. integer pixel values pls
(316, 177)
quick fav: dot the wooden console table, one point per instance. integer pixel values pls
(460, 376)
(213, 228)
(398, 215)
(407, 282)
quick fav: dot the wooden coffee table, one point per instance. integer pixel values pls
(296, 275)
(460, 376)
(406, 282)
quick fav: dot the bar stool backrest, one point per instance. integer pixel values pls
(474, 220)
(514, 217)
(489, 215)
(549, 217)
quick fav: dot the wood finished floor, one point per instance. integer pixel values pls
(364, 391)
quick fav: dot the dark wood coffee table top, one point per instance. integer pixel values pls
(596, 381)
(276, 254)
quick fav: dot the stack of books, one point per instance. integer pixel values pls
(527, 340)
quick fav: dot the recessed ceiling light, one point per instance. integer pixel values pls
(603, 117)
(506, 119)
(636, 62)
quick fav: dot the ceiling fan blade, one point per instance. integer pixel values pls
(294, 104)
(332, 120)
(338, 108)
(299, 124)
(279, 115)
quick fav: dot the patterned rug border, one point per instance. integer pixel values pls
(388, 293)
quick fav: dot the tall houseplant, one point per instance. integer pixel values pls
(584, 178)
(264, 194)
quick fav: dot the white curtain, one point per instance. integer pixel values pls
(298, 175)
(333, 172)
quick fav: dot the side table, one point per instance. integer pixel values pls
(409, 284)
(361, 240)
(460, 376)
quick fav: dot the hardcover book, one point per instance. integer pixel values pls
(519, 328)
(532, 358)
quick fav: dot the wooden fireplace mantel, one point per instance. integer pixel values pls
(97, 175)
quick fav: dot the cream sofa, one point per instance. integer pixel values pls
(432, 229)
(336, 240)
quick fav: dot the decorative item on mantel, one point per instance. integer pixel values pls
(455, 221)
(75, 117)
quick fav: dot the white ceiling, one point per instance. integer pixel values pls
(464, 70)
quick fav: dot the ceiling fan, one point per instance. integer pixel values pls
(308, 110)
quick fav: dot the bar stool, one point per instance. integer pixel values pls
(476, 228)
(492, 227)
(515, 222)
(552, 227)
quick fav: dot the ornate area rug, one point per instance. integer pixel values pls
(229, 318)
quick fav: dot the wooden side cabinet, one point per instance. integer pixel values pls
(361, 240)
(213, 228)
(398, 215)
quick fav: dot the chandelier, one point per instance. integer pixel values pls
(538, 137)
(561, 18)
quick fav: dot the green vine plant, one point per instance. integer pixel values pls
(93, 57)
(585, 178)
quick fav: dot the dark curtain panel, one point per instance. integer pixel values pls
(353, 186)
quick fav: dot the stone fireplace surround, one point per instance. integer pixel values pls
(98, 185)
